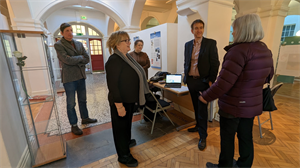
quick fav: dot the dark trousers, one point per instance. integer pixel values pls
(121, 127)
(201, 113)
(71, 88)
(243, 128)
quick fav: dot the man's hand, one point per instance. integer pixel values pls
(201, 98)
(210, 83)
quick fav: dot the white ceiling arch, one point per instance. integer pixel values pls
(98, 5)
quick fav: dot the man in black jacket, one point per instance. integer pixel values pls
(73, 58)
(201, 64)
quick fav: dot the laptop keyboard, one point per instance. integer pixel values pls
(171, 85)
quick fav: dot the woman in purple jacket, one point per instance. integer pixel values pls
(246, 66)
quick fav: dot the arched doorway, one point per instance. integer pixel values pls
(149, 22)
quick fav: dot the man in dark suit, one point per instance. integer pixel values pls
(73, 58)
(201, 65)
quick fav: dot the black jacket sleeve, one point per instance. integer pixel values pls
(214, 62)
(113, 69)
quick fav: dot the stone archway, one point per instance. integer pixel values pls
(146, 21)
(136, 12)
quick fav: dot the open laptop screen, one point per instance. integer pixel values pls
(175, 78)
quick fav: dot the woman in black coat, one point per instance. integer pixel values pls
(127, 85)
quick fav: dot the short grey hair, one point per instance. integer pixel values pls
(248, 28)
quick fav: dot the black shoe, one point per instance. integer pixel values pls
(129, 161)
(211, 165)
(195, 129)
(75, 130)
(88, 121)
(132, 143)
(235, 163)
(202, 144)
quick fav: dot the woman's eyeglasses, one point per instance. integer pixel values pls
(126, 41)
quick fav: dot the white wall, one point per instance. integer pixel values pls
(217, 25)
(168, 46)
(95, 18)
(4, 23)
(12, 137)
(293, 19)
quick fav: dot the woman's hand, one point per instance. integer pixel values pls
(201, 98)
(121, 109)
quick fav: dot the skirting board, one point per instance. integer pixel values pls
(25, 160)
(40, 92)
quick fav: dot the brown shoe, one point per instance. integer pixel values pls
(76, 130)
(202, 144)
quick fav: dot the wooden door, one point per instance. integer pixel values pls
(96, 54)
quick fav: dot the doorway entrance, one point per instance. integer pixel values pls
(96, 54)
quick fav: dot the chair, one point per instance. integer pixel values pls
(158, 106)
(274, 89)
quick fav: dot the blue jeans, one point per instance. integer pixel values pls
(71, 88)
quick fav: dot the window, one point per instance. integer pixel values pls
(82, 30)
(287, 31)
(96, 48)
(92, 32)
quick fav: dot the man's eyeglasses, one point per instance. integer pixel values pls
(126, 41)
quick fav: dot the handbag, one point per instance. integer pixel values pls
(268, 101)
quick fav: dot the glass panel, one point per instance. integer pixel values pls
(284, 27)
(286, 34)
(291, 33)
(92, 47)
(282, 34)
(100, 52)
(98, 42)
(96, 48)
(288, 28)
(83, 30)
(90, 31)
(293, 27)
(92, 52)
(96, 53)
(30, 102)
(74, 29)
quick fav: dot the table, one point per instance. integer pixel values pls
(181, 96)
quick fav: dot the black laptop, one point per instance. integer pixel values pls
(173, 81)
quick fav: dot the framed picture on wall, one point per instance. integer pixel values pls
(155, 60)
